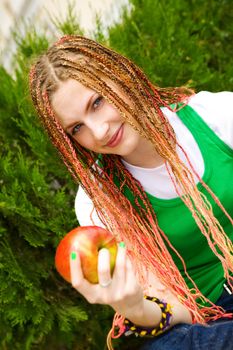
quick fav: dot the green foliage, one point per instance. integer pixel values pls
(176, 42)
(179, 42)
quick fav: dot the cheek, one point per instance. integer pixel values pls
(85, 140)
(131, 132)
(111, 113)
(132, 138)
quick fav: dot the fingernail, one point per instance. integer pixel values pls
(73, 255)
(122, 244)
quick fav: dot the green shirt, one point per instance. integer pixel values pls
(177, 222)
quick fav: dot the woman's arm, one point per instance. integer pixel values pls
(124, 294)
(147, 313)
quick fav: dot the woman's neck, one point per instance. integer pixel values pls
(145, 157)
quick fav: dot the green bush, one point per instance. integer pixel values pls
(176, 42)
(179, 42)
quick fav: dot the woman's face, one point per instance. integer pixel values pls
(93, 122)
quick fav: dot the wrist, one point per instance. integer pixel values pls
(145, 314)
(151, 329)
(152, 316)
(130, 308)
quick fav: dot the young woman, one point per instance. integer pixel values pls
(155, 168)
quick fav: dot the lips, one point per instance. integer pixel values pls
(116, 138)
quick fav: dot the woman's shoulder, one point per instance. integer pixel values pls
(216, 109)
(221, 102)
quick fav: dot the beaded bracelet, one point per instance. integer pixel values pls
(151, 331)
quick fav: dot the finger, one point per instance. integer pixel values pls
(104, 273)
(129, 267)
(77, 279)
(131, 278)
(120, 266)
(76, 273)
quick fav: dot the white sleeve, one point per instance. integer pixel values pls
(85, 211)
(216, 109)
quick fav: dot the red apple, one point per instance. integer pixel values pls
(87, 241)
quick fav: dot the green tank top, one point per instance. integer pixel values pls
(177, 222)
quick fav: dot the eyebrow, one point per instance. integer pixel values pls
(66, 127)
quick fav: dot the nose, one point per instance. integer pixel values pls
(100, 130)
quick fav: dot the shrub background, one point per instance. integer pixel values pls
(177, 42)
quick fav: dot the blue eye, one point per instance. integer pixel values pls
(76, 129)
(97, 102)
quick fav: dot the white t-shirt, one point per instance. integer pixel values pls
(216, 109)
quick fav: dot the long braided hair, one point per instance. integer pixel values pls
(134, 222)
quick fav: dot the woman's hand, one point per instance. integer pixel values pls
(121, 291)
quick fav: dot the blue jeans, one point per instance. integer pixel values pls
(217, 336)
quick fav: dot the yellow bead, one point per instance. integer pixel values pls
(142, 333)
